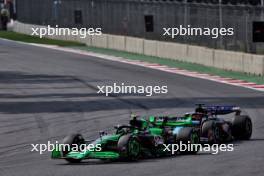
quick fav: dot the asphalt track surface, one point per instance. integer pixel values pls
(47, 94)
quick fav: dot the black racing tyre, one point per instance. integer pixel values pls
(211, 131)
(187, 135)
(71, 140)
(242, 127)
(129, 147)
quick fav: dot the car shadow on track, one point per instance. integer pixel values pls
(93, 162)
(239, 142)
(144, 160)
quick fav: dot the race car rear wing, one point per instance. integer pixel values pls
(222, 110)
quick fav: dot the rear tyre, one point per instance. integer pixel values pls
(129, 147)
(187, 135)
(72, 140)
(242, 127)
(211, 131)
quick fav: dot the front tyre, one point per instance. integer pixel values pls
(71, 141)
(242, 127)
(212, 131)
(129, 147)
(188, 136)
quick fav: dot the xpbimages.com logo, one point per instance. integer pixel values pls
(189, 147)
(49, 147)
(56, 31)
(131, 89)
(214, 33)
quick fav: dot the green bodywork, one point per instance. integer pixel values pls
(56, 153)
(152, 126)
(187, 121)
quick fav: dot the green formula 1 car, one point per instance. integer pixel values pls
(141, 138)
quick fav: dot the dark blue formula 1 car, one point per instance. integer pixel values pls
(214, 128)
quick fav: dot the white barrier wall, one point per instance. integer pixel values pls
(116, 42)
(253, 64)
(228, 60)
(150, 47)
(170, 50)
(134, 45)
(200, 55)
(99, 41)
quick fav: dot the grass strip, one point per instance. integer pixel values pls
(33, 39)
(163, 61)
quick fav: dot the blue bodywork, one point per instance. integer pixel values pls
(221, 110)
